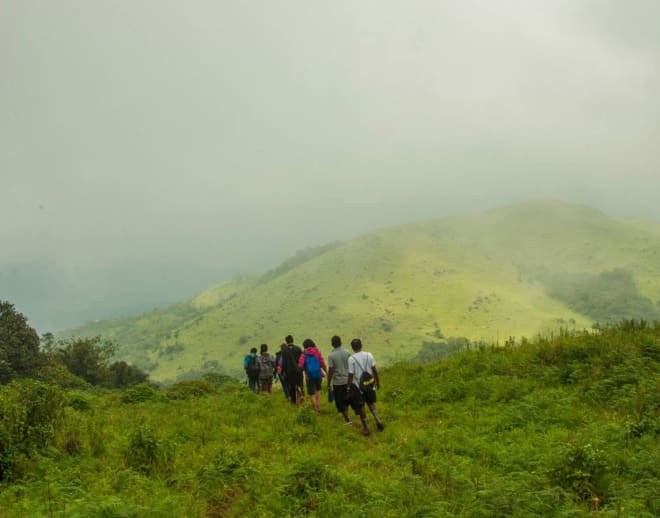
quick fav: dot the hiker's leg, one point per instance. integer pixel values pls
(357, 404)
(371, 402)
(363, 418)
(293, 394)
(374, 412)
(340, 401)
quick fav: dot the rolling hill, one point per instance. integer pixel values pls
(515, 271)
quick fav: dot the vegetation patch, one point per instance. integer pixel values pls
(608, 297)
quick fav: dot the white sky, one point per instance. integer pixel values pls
(174, 142)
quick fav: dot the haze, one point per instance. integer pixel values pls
(149, 149)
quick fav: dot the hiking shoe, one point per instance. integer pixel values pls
(365, 431)
(348, 423)
(380, 427)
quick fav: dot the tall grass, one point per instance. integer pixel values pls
(566, 426)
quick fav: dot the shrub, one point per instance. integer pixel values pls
(217, 379)
(147, 453)
(139, 393)
(29, 411)
(57, 374)
(78, 401)
(190, 389)
(581, 469)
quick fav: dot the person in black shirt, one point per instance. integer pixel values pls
(293, 376)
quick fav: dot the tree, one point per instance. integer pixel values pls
(123, 374)
(19, 344)
(87, 358)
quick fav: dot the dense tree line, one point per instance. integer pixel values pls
(67, 362)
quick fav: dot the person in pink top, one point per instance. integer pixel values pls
(312, 362)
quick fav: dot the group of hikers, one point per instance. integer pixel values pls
(352, 379)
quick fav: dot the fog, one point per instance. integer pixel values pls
(150, 148)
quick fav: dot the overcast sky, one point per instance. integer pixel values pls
(151, 147)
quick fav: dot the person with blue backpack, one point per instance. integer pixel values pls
(252, 370)
(312, 363)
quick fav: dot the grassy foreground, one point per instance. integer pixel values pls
(566, 426)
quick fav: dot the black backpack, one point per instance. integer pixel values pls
(366, 382)
(253, 367)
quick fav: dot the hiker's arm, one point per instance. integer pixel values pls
(330, 373)
(376, 378)
(351, 373)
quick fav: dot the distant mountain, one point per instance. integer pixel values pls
(516, 271)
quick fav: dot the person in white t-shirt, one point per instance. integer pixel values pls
(359, 363)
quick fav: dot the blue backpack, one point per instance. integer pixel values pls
(312, 366)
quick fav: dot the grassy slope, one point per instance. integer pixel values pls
(551, 428)
(465, 276)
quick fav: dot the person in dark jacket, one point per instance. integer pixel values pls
(280, 372)
(292, 374)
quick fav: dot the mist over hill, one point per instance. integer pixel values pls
(151, 149)
(516, 271)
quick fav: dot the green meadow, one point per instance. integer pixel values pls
(522, 270)
(560, 426)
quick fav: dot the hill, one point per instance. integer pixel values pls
(514, 271)
(566, 426)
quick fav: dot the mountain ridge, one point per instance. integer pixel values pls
(478, 276)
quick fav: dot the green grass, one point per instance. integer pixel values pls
(566, 426)
(473, 276)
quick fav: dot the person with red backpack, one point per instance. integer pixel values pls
(311, 361)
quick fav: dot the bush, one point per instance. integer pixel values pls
(581, 469)
(217, 379)
(29, 411)
(147, 453)
(190, 389)
(58, 374)
(139, 393)
(78, 401)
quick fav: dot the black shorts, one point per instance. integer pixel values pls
(313, 386)
(357, 399)
(341, 394)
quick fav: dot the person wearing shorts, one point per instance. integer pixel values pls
(313, 383)
(362, 361)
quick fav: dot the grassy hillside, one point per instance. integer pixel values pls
(561, 427)
(506, 272)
